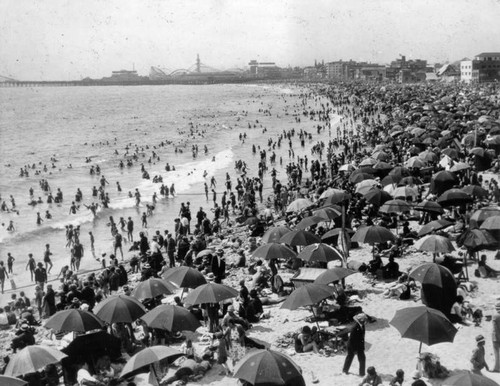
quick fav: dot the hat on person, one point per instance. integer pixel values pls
(147, 266)
(480, 339)
(220, 252)
(211, 276)
(416, 375)
(360, 318)
(24, 326)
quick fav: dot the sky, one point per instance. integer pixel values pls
(73, 39)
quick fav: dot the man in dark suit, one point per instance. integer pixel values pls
(219, 266)
(356, 344)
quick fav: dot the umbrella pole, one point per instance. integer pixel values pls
(154, 372)
(420, 348)
(315, 319)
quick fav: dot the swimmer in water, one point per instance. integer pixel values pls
(39, 220)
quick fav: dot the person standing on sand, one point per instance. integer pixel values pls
(496, 338)
(40, 275)
(3, 275)
(478, 360)
(31, 265)
(356, 344)
(46, 258)
(130, 230)
(92, 246)
(10, 262)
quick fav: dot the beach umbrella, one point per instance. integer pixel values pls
(119, 309)
(364, 186)
(356, 178)
(390, 180)
(274, 234)
(423, 324)
(148, 356)
(274, 251)
(151, 288)
(328, 213)
(434, 226)
(171, 318)
(73, 320)
(320, 252)
(306, 222)
(405, 192)
(468, 378)
(434, 244)
(374, 234)
(299, 237)
(475, 191)
(458, 166)
(10, 381)
(395, 206)
(454, 197)
(477, 239)
(429, 156)
(418, 131)
(299, 205)
(410, 181)
(333, 275)
(415, 162)
(369, 161)
(491, 223)
(381, 165)
(330, 191)
(268, 367)
(32, 359)
(381, 155)
(93, 345)
(430, 207)
(205, 252)
(185, 277)
(450, 152)
(479, 151)
(442, 181)
(347, 168)
(251, 220)
(333, 234)
(337, 198)
(439, 287)
(210, 293)
(482, 214)
(376, 196)
(307, 295)
(400, 171)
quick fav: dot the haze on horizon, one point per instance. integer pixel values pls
(73, 39)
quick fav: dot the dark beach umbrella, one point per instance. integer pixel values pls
(274, 251)
(491, 223)
(171, 318)
(274, 234)
(251, 221)
(328, 213)
(210, 293)
(151, 288)
(119, 309)
(430, 207)
(337, 198)
(307, 295)
(358, 177)
(475, 191)
(395, 206)
(381, 165)
(434, 226)
(434, 244)
(381, 156)
(268, 367)
(306, 222)
(148, 356)
(333, 275)
(299, 237)
(454, 197)
(185, 277)
(320, 252)
(374, 234)
(333, 234)
(32, 359)
(477, 239)
(429, 156)
(424, 324)
(439, 287)
(73, 321)
(390, 180)
(10, 381)
(468, 378)
(376, 196)
(451, 152)
(400, 171)
(482, 214)
(411, 181)
(479, 151)
(93, 345)
(443, 181)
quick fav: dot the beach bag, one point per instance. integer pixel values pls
(13, 284)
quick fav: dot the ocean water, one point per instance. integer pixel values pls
(61, 127)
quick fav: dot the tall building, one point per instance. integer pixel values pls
(484, 67)
(340, 70)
